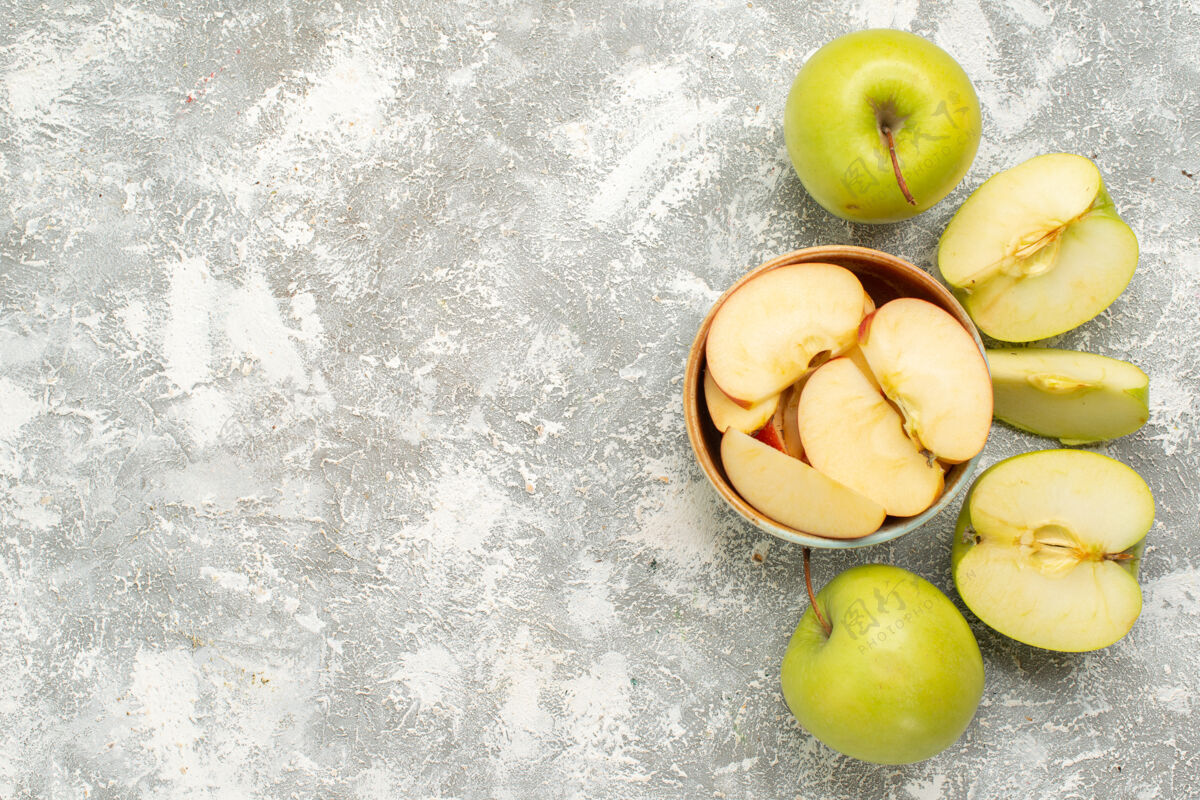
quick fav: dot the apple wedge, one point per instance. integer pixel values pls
(1042, 548)
(790, 417)
(791, 422)
(859, 358)
(726, 414)
(772, 432)
(767, 332)
(852, 434)
(930, 367)
(1038, 249)
(1067, 395)
(791, 492)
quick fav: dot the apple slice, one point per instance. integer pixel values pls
(791, 492)
(852, 434)
(1038, 249)
(930, 367)
(859, 358)
(726, 414)
(1071, 396)
(791, 426)
(766, 333)
(1042, 548)
(772, 433)
(789, 419)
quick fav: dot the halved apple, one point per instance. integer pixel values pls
(1071, 396)
(791, 492)
(767, 332)
(1038, 249)
(930, 367)
(1042, 551)
(852, 434)
(725, 413)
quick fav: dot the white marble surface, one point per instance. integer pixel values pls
(341, 446)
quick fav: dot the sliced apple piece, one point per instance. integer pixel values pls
(767, 332)
(1038, 249)
(1006, 224)
(1045, 547)
(856, 355)
(725, 413)
(791, 428)
(772, 432)
(930, 367)
(791, 492)
(852, 434)
(1095, 263)
(1071, 396)
(791, 403)
(789, 419)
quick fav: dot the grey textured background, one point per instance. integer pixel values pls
(341, 445)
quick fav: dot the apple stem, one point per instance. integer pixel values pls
(1118, 556)
(812, 597)
(886, 130)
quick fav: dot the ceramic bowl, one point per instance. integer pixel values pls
(885, 277)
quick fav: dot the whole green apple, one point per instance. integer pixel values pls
(899, 676)
(881, 125)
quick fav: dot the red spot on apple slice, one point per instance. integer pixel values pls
(864, 328)
(768, 434)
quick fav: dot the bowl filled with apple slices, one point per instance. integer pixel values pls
(837, 396)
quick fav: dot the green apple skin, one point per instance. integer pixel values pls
(898, 679)
(832, 124)
(1075, 397)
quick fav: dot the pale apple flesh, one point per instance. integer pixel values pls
(793, 445)
(767, 332)
(1075, 397)
(1038, 249)
(931, 368)
(859, 358)
(725, 413)
(1095, 261)
(851, 433)
(898, 678)
(1042, 548)
(791, 492)
(1007, 225)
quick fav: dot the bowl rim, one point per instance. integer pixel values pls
(696, 417)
